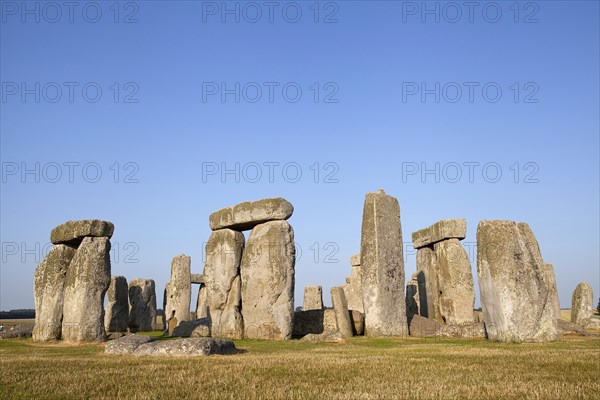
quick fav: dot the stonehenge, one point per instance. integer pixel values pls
(444, 276)
(581, 304)
(246, 287)
(382, 267)
(516, 291)
(313, 298)
(142, 300)
(116, 318)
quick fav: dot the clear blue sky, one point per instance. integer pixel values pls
(367, 130)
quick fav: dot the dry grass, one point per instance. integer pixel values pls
(360, 368)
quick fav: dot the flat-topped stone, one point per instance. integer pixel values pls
(441, 230)
(197, 278)
(73, 232)
(247, 215)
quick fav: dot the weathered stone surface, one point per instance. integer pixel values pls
(358, 322)
(455, 282)
(202, 303)
(179, 289)
(187, 347)
(340, 307)
(305, 322)
(323, 337)
(329, 321)
(553, 290)
(429, 293)
(126, 344)
(516, 294)
(268, 281)
(424, 327)
(86, 284)
(49, 290)
(116, 317)
(412, 298)
(441, 230)
(382, 267)
(142, 297)
(569, 328)
(313, 298)
(355, 260)
(248, 214)
(172, 325)
(223, 285)
(353, 290)
(197, 278)
(73, 232)
(466, 331)
(581, 305)
(187, 328)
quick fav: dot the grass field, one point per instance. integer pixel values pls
(359, 368)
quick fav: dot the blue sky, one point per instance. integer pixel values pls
(379, 103)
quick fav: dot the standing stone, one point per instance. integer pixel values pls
(268, 281)
(455, 282)
(223, 284)
(167, 313)
(142, 297)
(516, 295)
(313, 298)
(429, 293)
(116, 318)
(382, 267)
(329, 321)
(248, 214)
(202, 303)
(340, 308)
(48, 290)
(412, 298)
(172, 325)
(86, 284)
(180, 289)
(353, 290)
(554, 292)
(581, 306)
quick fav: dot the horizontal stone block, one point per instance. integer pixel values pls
(73, 232)
(441, 230)
(247, 215)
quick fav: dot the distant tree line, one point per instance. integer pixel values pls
(18, 314)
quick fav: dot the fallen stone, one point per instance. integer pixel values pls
(49, 291)
(382, 267)
(313, 298)
(126, 344)
(442, 230)
(581, 305)
(116, 317)
(455, 282)
(73, 232)
(307, 321)
(424, 327)
(569, 328)
(187, 347)
(86, 284)
(323, 337)
(516, 294)
(223, 285)
(247, 215)
(340, 308)
(267, 274)
(142, 297)
(187, 328)
(114, 335)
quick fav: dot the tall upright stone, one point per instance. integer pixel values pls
(353, 290)
(48, 290)
(180, 289)
(223, 285)
(116, 317)
(267, 274)
(313, 298)
(142, 297)
(382, 267)
(429, 294)
(516, 294)
(412, 298)
(581, 305)
(554, 291)
(455, 282)
(86, 284)
(202, 303)
(340, 308)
